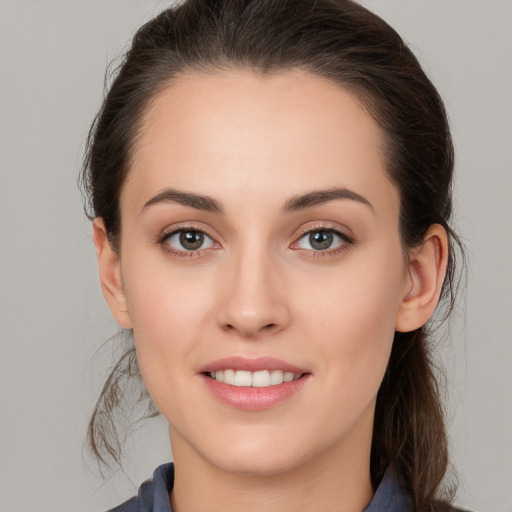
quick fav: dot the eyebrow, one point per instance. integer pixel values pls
(294, 204)
(196, 201)
(319, 197)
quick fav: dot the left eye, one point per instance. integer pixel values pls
(189, 240)
(321, 240)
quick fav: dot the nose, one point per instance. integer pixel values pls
(254, 300)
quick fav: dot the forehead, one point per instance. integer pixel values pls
(239, 131)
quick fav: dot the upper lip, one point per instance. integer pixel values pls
(251, 365)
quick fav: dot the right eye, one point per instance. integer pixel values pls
(187, 241)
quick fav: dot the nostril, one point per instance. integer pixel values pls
(248, 331)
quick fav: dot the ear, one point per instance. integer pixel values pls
(109, 267)
(426, 271)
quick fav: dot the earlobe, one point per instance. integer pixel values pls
(109, 267)
(426, 272)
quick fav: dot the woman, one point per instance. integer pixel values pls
(270, 189)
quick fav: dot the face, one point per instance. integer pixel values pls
(262, 268)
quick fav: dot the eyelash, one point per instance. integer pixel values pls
(164, 242)
(345, 242)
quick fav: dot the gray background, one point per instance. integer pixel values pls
(53, 54)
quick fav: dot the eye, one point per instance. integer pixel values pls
(323, 240)
(188, 240)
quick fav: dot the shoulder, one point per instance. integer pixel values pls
(390, 496)
(130, 505)
(153, 494)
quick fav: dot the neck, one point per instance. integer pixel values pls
(338, 481)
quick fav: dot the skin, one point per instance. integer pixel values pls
(257, 287)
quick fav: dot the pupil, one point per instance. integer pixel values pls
(191, 240)
(320, 240)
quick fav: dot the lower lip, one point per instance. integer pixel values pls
(254, 399)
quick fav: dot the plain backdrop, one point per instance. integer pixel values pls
(53, 54)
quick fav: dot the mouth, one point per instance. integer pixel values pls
(258, 379)
(254, 384)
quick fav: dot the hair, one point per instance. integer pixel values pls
(343, 42)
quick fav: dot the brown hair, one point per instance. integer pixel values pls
(342, 41)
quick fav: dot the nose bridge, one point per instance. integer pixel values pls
(254, 300)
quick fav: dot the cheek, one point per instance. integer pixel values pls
(362, 296)
(162, 298)
(168, 312)
(352, 317)
(356, 346)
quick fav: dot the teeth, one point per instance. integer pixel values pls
(229, 377)
(259, 379)
(243, 378)
(276, 377)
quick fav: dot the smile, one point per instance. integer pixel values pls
(258, 379)
(254, 384)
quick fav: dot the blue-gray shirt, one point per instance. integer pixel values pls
(153, 495)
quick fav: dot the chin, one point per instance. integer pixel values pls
(258, 455)
(262, 465)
